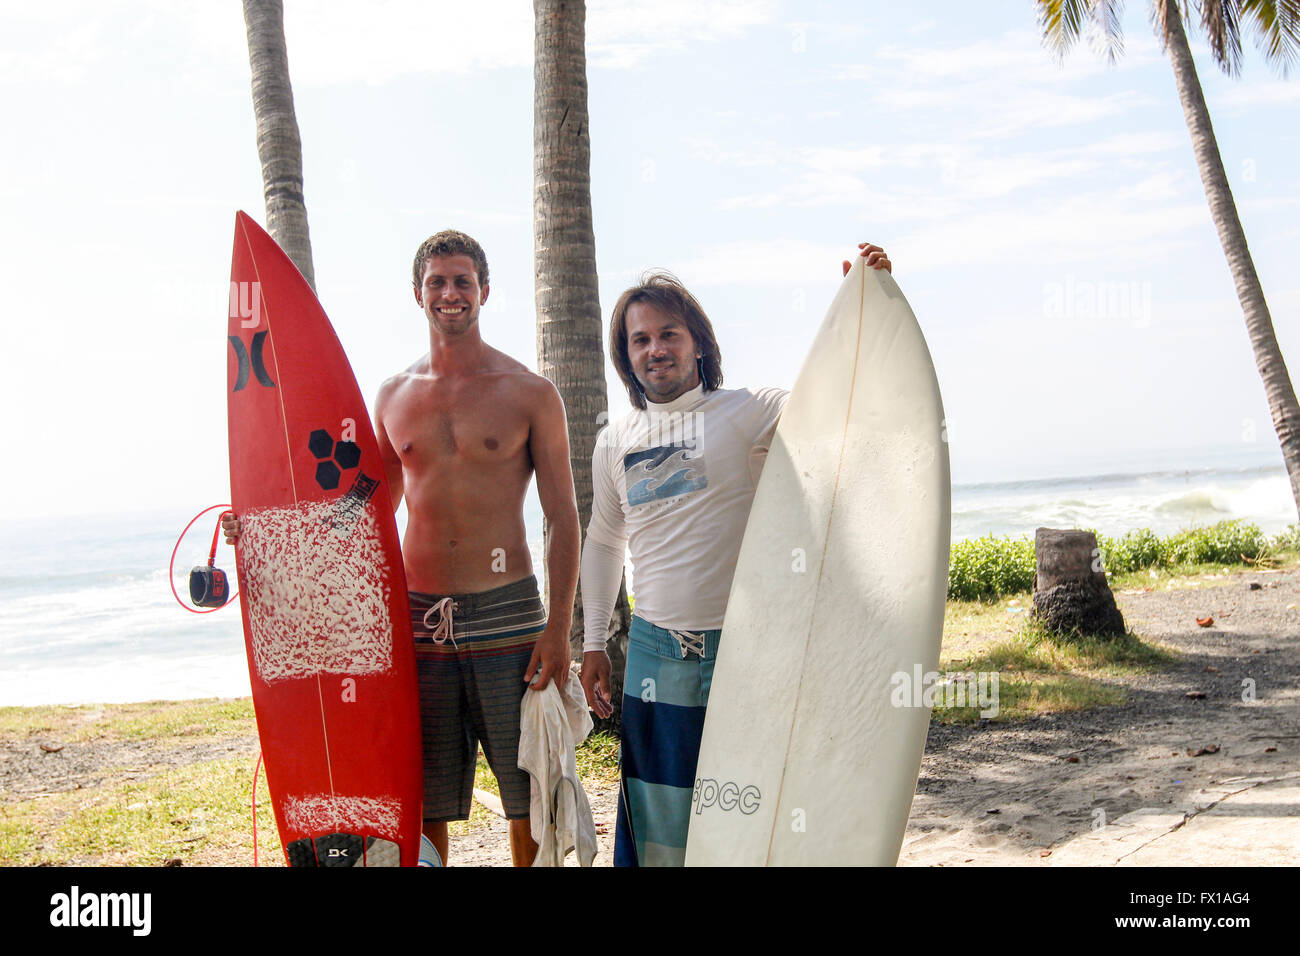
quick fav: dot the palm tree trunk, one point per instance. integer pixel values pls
(278, 144)
(569, 349)
(1259, 323)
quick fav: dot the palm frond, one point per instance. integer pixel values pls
(1275, 25)
(1108, 32)
(1221, 21)
(1060, 22)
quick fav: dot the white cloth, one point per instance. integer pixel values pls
(551, 725)
(673, 484)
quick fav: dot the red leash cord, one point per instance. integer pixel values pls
(256, 768)
(216, 533)
(171, 567)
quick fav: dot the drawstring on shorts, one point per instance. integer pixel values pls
(689, 642)
(443, 630)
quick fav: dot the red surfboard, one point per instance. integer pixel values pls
(326, 619)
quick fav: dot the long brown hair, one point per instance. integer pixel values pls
(665, 292)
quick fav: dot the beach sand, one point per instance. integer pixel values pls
(1004, 794)
(1018, 794)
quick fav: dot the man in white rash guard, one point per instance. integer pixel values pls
(673, 483)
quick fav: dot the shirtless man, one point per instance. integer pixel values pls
(461, 432)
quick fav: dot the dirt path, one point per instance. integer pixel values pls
(1003, 794)
(27, 771)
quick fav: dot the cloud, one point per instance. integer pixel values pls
(991, 61)
(929, 180)
(1096, 226)
(337, 44)
(749, 262)
(1135, 144)
(623, 34)
(1010, 84)
(340, 44)
(1238, 98)
(1168, 184)
(54, 53)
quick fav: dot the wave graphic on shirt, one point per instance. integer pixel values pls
(657, 474)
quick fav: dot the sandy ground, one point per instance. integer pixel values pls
(1008, 794)
(1014, 794)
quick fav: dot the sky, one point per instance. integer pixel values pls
(1045, 219)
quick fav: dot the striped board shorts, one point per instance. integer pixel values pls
(665, 691)
(471, 676)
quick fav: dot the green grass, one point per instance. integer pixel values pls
(1036, 649)
(1022, 695)
(148, 720)
(171, 813)
(1038, 672)
(597, 758)
(18, 838)
(1041, 673)
(199, 813)
(182, 719)
(1186, 575)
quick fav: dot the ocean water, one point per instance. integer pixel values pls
(87, 613)
(1165, 501)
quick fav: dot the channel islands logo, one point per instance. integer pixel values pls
(333, 458)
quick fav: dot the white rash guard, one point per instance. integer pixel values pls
(674, 484)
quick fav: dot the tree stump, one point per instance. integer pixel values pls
(1071, 594)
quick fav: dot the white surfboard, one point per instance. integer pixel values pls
(814, 730)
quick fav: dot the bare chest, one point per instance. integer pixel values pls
(475, 423)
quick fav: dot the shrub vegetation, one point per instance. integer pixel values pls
(985, 569)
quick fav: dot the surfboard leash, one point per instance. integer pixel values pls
(256, 767)
(209, 586)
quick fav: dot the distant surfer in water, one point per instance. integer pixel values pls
(461, 432)
(673, 483)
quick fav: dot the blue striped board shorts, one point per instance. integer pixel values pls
(665, 691)
(471, 677)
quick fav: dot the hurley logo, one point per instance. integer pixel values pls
(102, 909)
